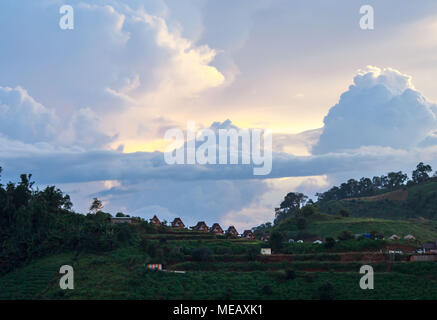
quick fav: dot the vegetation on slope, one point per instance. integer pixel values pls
(114, 276)
(421, 202)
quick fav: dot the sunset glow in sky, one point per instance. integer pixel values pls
(87, 108)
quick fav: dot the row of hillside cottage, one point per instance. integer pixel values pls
(200, 226)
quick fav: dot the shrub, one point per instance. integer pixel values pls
(123, 233)
(175, 255)
(344, 213)
(276, 239)
(144, 244)
(308, 278)
(267, 290)
(301, 223)
(149, 247)
(376, 235)
(290, 274)
(227, 295)
(326, 291)
(222, 250)
(346, 235)
(308, 210)
(252, 254)
(201, 254)
(329, 243)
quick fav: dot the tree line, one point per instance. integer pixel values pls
(35, 223)
(298, 205)
(372, 186)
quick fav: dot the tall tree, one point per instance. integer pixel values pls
(292, 202)
(96, 205)
(421, 173)
(396, 180)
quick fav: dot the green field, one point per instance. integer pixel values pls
(118, 276)
(332, 226)
(421, 202)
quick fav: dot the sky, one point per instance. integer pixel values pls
(87, 109)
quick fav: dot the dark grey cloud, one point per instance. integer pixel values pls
(66, 166)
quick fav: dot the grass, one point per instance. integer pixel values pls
(422, 229)
(121, 275)
(31, 281)
(415, 202)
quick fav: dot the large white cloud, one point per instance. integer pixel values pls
(116, 56)
(25, 120)
(138, 67)
(22, 118)
(381, 108)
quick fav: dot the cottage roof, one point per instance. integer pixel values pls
(216, 226)
(247, 232)
(200, 224)
(176, 220)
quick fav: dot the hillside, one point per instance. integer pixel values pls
(417, 201)
(40, 233)
(120, 274)
(323, 226)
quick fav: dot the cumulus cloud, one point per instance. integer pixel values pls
(22, 118)
(25, 120)
(138, 67)
(85, 130)
(119, 53)
(381, 108)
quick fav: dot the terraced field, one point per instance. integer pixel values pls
(120, 274)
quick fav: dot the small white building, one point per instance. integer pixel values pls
(299, 241)
(318, 242)
(266, 251)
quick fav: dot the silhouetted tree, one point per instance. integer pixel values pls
(292, 202)
(421, 173)
(96, 205)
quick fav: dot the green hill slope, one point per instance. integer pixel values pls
(332, 226)
(411, 202)
(113, 276)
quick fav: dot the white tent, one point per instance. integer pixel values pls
(394, 237)
(409, 237)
